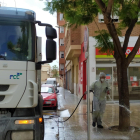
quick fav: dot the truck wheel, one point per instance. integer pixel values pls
(55, 108)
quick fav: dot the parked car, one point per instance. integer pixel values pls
(52, 82)
(49, 96)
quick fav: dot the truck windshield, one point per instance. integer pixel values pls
(16, 41)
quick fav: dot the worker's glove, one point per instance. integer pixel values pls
(107, 91)
(90, 90)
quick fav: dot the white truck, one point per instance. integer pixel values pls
(21, 104)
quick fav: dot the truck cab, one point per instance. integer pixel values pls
(20, 73)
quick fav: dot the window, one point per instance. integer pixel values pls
(50, 82)
(16, 41)
(61, 29)
(47, 89)
(101, 18)
(61, 54)
(61, 67)
(61, 16)
(61, 42)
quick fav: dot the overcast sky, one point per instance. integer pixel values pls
(41, 15)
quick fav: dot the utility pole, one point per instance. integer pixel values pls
(86, 47)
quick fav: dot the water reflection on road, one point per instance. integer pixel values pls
(76, 127)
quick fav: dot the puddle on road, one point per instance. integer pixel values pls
(52, 114)
(64, 113)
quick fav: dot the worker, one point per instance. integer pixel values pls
(100, 89)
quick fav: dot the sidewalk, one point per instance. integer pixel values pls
(76, 127)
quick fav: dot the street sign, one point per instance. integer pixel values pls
(86, 38)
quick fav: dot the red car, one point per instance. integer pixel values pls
(49, 96)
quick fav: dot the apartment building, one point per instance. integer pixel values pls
(75, 73)
(61, 23)
(73, 42)
(45, 72)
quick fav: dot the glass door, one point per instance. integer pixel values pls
(115, 95)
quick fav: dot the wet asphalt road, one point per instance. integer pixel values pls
(51, 118)
(76, 127)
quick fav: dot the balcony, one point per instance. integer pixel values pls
(72, 52)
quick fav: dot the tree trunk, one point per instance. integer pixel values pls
(124, 106)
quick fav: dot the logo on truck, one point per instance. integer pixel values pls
(15, 76)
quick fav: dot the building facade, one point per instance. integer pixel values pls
(45, 72)
(75, 73)
(61, 29)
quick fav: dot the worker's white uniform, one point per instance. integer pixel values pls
(99, 100)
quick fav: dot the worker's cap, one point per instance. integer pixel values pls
(102, 74)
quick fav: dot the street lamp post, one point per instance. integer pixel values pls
(86, 47)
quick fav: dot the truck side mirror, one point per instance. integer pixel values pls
(50, 44)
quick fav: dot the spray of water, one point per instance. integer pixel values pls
(121, 105)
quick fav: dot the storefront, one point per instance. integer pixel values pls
(111, 77)
(107, 64)
(82, 72)
(103, 63)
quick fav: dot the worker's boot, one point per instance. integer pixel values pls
(94, 124)
(100, 126)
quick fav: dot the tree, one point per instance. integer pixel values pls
(55, 71)
(83, 12)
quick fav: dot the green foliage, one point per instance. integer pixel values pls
(128, 12)
(10, 45)
(104, 42)
(79, 12)
(55, 71)
(83, 12)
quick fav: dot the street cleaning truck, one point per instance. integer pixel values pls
(21, 103)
